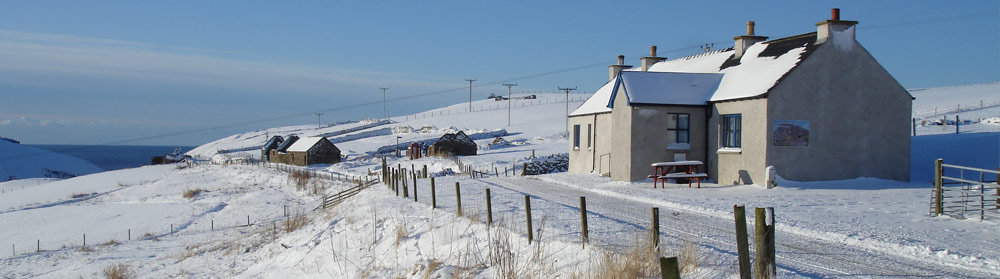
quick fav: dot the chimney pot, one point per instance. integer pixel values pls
(835, 14)
(621, 59)
(652, 51)
(750, 25)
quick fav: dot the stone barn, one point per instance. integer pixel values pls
(449, 145)
(309, 151)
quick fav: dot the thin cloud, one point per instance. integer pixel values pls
(113, 60)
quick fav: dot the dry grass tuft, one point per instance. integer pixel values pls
(639, 262)
(118, 271)
(300, 178)
(432, 265)
(189, 194)
(294, 223)
(400, 233)
(110, 243)
(86, 249)
(689, 258)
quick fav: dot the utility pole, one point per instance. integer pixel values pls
(384, 115)
(508, 85)
(567, 89)
(319, 122)
(470, 93)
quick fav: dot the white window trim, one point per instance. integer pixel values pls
(729, 150)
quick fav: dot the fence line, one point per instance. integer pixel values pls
(764, 236)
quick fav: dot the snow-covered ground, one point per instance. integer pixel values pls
(852, 228)
(977, 106)
(20, 162)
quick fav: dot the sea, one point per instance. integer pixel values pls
(114, 157)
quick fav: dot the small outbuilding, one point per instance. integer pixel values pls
(271, 144)
(456, 144)
(312, 150)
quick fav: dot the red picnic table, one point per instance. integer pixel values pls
(664, 170)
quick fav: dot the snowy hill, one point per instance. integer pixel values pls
(976, 105)
(19, 162)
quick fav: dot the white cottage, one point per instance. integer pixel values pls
(816, 106)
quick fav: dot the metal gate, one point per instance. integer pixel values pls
(966, 192)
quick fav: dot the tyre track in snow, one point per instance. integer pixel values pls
(796, 254)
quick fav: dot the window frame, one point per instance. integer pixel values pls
(589, 137)
(576, 137)
(675, 118)
(731, 131)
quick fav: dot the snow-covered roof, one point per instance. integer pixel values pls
(753, 75)
(303, 144)
(757, 71)
(598, 103)
(667, 88)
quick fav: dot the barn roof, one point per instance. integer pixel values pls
(304, 144)
(273, 143)
(287, 143)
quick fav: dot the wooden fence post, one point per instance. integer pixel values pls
(669, 268)
(130, 234)
(489, 208)
(414, 187)
(656, 228)
(938, 172)
(524, 169)
(742, 243)
(84, 240)
(424, 174)
(764, 242)
(583, 221)
(406, 190)
(527, 211)
(434, 199)
(458, 199)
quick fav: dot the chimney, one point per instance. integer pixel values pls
(613, 70)
(834, 27)
(648, 61)
(745, 41)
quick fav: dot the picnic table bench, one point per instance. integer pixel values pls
(662, 169)
(689, 176)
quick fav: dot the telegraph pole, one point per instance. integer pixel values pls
(384, 115)
(470, 93)
(567, 89)
(508, 85)
(319, 123)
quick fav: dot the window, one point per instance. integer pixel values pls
(731, 127)
(679, 127)
(576, 136)
(588, 136)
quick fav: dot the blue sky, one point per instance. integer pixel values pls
(80, 72)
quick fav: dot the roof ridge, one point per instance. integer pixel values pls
(689, 57)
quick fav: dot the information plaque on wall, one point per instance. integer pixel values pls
(790, 133)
